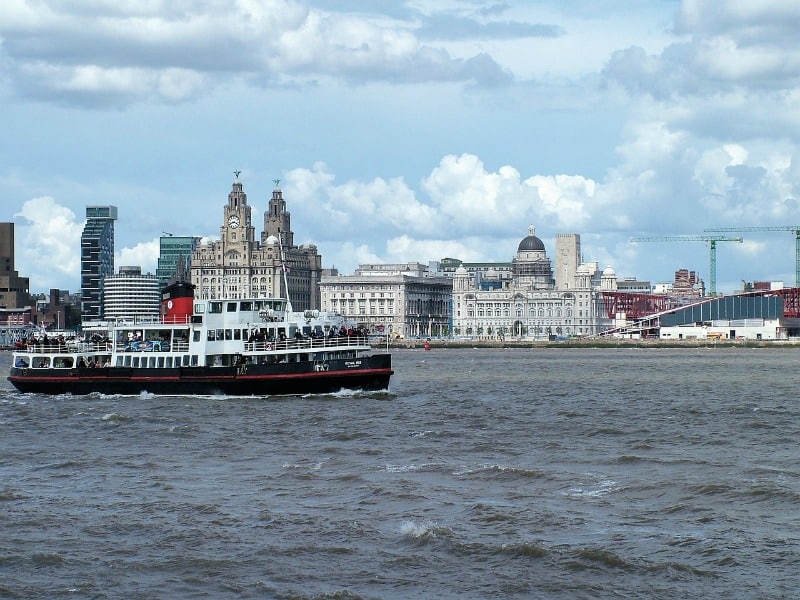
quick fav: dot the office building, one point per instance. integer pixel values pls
(97, 258)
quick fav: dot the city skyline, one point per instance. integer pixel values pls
(407, 131)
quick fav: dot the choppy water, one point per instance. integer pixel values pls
(481, 474)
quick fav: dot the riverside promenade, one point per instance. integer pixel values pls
(587, 342)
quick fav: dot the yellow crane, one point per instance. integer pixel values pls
(793, 228)
(711, 239)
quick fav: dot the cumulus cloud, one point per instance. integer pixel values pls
(48, 244)
(460, 206)
(143, 254)
(100, 53)
(478, 201)
(728, 46)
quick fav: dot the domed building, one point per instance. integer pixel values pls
(539, 301)
(531, 267)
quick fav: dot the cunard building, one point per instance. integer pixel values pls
(238, 265)
(538, 301)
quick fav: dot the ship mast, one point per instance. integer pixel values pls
(284, 268)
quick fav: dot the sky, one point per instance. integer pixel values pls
(407, 130)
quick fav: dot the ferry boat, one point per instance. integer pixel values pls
(249, 347)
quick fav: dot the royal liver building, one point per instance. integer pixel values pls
(536, 301)
(239, 266)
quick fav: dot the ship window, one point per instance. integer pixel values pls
(135, 363)
(220, 334)
(237, 334)
(161, 362)
(215, 307)
(41, 362)
(152, 362)
(127, 361)
(211, 335)
(231, 307)
(228, 334)
(197, 336)
(185, 360)
(199, 307)
(246, 306)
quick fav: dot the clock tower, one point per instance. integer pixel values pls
(237, 265)
(236, 225)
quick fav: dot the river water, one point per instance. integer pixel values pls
(481, 473)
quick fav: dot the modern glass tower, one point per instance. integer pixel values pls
(97, 258)
(175, 258)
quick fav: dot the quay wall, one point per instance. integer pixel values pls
(586, 343)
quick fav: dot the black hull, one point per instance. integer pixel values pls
(366, 373)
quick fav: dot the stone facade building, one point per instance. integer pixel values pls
(537, 303)
(240, 266)
(399, 300)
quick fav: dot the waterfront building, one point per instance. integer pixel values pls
(53, 311)
(14, 290)
(486, 275)
(97, 258)
(131, 296)
(174, 258)
(397, 300)
(538, 301)
(240, 266)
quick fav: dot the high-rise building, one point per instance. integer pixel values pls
(131, 296)
(14, 290)
(239, 266)
(568, 257)
(175, 258)
(97, 258)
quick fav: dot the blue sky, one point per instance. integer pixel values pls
(406, 131)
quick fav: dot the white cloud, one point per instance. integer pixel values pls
(144, 255)
(113, 54)
(48, 245)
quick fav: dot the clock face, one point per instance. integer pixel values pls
(233, 221)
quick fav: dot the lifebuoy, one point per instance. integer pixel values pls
(268, 346)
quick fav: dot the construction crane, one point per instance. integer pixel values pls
(793, 228)
(712, 239)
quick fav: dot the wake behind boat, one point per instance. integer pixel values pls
(253, 347)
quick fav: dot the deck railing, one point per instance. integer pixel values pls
(69, 347)
(106, 346)
(319, 343)
(103, 347)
